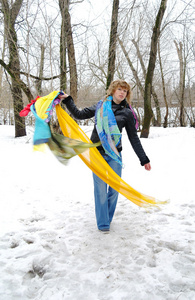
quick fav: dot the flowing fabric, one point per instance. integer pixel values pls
(42, 110)
(42, 132)
(65, 148)
(94, 160)
(135, 117)
(107, 128)
(62, 147)
(25, 111)
(76, 142)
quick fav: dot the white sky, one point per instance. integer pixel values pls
(96, 13)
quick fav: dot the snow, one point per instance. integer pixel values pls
(50, 248)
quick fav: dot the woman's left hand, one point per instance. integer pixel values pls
(63, 96)
(147, 166)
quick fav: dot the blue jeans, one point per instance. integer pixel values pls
(105, 196)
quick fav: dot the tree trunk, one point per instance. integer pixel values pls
(138, 82)
(154, 95)
(66, 25)
(10, 15)
(157, 106)
(112, 45)
(182, 68)
(39, 81)
(139, 57)
(148, 113)
(63, 67)
(1, 68)
(163, 87)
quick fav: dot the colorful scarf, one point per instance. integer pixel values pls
(135, 117)
(97, 164)
(62, 147)
(42, 109)
(107, 128)
(74, 142)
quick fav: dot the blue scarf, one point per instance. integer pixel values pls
(107, 129)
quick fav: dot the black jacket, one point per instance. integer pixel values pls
(124, 118)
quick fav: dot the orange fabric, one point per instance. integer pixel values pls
(94, 160)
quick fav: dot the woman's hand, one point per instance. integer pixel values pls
(62, 96)
(147, 166)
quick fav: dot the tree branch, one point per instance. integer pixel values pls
(23, 86)
(135, 74)
(39, 78)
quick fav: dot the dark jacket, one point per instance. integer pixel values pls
(124, 118)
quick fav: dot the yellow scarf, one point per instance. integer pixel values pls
(91, 157)
(94, 160)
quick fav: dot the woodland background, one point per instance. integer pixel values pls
(81, 46)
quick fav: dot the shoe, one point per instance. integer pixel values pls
(105, 229)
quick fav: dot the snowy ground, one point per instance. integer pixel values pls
(50, 248)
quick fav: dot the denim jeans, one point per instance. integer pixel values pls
(105, 196)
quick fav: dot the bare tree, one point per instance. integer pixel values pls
(112, 45)
(182, 68)
(10, 13)
(163, 87)
(67, 37)
(40, 80)
(154, 94)
(148, 114)
(1, 67)
(63, 48)
(135, 74)
(97, 63)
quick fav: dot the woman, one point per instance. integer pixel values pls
(112, 115)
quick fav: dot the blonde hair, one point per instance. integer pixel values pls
(119, 83)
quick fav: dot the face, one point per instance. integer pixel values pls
(119, 95)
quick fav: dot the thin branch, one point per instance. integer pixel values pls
(39, 78)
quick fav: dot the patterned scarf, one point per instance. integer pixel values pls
(107, 128)
(135, 117)
(42, 109)
(76, 142)
(62, 147)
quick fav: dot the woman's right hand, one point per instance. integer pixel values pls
(147, 166)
